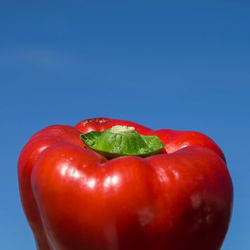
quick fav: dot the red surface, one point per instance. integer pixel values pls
(75, 199)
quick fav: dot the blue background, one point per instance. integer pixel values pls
(164, 64)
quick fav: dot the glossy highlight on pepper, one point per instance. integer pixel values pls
(76, 199)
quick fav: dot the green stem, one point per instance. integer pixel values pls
(121, 141)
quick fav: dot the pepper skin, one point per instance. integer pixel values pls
(75, 199)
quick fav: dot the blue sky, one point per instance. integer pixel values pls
(164, 64)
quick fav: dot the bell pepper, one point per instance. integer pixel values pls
(109, 184)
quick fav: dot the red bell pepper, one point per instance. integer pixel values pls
(76, 199)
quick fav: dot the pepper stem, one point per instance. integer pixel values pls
(121, 141)
(119, 129)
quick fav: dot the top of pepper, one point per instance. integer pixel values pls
(121, 141)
